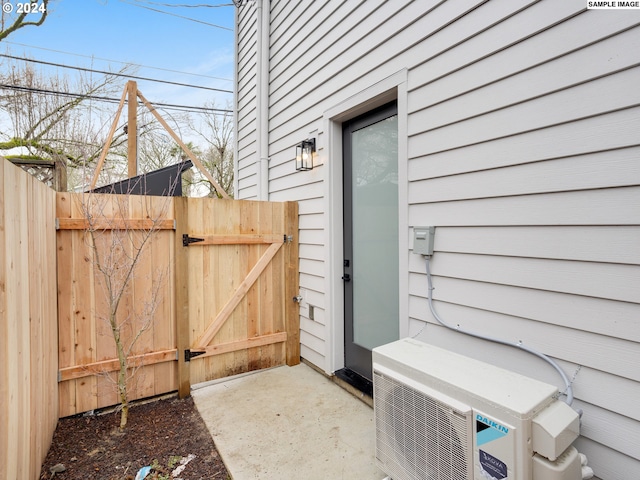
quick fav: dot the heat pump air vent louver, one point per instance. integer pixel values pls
(418, 436)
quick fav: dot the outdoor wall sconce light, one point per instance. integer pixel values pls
(304, 154)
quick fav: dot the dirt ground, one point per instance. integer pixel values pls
(159, 433)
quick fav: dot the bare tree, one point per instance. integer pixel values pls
(14, 16)
(218, 154)
(189, 185)
(156, 149)
(50, 126)
(118, 248)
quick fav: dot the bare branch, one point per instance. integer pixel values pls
(19, 22)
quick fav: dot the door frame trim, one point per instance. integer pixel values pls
(393, 87)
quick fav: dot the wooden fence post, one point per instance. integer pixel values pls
(292, 285)
(182, 295)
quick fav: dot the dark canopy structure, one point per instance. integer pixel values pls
(165, 182)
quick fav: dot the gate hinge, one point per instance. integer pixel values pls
(188, 355)
(187, 240)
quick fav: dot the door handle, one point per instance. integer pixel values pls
(346, 277)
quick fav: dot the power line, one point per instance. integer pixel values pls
(114, 74)
(204, 5)
(118, 61)
(179, 16)
(169, 106)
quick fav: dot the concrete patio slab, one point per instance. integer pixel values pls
(289, 423)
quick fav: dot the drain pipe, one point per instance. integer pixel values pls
(262, 114)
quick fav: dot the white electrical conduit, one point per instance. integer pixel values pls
(550, 361)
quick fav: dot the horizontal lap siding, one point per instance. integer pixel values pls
(578, 102)
(613, 464)
(309, 75)
(575, 311)
(572, 345)
(565, 71)
(523, 150)
(290, 121)
(526, 157)
(559, 46)
(616, 168)
(608, 131)
(246, 136)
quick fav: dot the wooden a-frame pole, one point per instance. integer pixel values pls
(186, 149)
(132, 129)
(131, 91)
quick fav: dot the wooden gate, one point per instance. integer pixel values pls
(225, 302)
(236, 277)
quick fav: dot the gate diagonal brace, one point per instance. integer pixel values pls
(189, 354)
(187, 240)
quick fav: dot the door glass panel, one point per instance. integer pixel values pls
(375, 233)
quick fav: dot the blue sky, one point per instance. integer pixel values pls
(126, 31)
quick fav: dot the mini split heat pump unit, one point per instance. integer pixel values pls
(444, 416)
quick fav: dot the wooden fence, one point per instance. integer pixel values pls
(28, 323)
(220, 274)
(223, 273)
(87, 352)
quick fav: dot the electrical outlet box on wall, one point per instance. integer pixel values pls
(423, 238)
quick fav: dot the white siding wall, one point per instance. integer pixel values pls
(523, 146)
(246, 134)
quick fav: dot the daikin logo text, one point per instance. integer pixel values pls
(492, 423)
